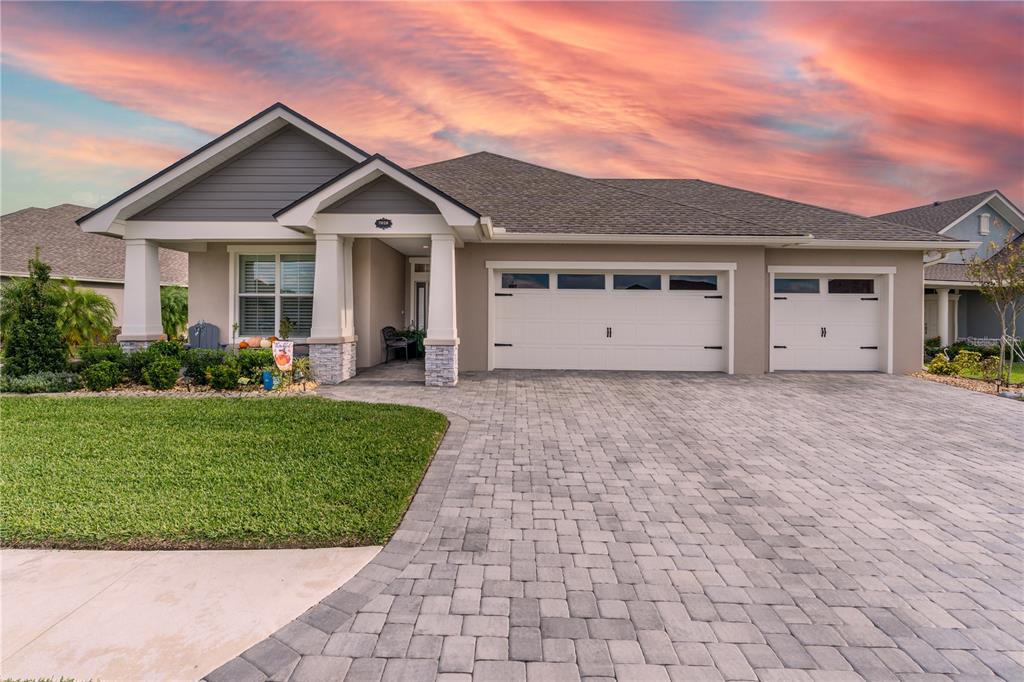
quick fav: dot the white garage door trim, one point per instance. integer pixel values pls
(669, 267)
(888, 271)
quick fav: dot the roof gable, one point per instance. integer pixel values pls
(257, 182)
(383, 195)
(938, 215)
(207, 158)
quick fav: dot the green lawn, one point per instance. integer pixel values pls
(208, 472)
(1016, 377)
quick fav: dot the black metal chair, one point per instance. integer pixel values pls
(394, 343)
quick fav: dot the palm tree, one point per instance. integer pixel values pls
(83, 315)
(173, 310)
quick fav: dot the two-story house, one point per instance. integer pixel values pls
(953, 308)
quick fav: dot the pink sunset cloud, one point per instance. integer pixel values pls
(862, 107)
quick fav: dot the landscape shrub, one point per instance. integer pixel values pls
(252, 362)
(102, 376)
(199, 361)
(41, 382)
(32, 342)
(941, 365)
(953, 349)
(931, 347)
(990, 368)
(172, 348)
(162, 372)
(135, 363)
(966, 362)
(224, 377)
(90, 355)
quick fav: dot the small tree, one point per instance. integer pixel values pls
(83, 315)
(33, 343)
(174, 311)
(1000, 280)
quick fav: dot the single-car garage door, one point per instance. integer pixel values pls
(829, 322)
(578, 319)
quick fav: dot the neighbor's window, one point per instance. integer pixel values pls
(851, 286)
(637, 282)
(272, 287)
(525, 280)
(797, 286)
(693, 282)
(581, 281)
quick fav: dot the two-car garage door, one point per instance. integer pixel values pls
(640, 320)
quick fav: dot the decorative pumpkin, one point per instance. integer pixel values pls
(272, 338)
(265, 343)
(243, 344)
(254, 341)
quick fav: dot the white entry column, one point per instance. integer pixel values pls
(140, 316)
(442, 342)
(943, 316)
(332, 342)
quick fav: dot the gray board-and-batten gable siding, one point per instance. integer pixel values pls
(259, 181)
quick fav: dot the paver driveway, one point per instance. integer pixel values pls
(677, 527)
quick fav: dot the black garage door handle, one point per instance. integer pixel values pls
(503, 345)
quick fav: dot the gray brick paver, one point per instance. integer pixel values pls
(629, 524)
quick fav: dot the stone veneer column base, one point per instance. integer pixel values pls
(333, 363)
(134, 345)
(442, 365)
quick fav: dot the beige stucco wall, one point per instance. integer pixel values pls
(209, 291)
(908, 299)
(751, 313)
(379, 295)
(115, 292)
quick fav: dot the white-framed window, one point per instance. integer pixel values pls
(271, 287)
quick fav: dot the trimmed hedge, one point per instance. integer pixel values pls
(102, 376)
(41, 382)
(162, 372)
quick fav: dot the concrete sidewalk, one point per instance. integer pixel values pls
(153, 615)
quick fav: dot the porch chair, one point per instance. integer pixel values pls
(394, 343)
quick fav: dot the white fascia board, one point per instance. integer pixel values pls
(362, 224)
(209, 231)
(972, 210)
(553, 237)
(837, 269)
(662, 266)
(886, 245)
(301, 214)
(176, 177)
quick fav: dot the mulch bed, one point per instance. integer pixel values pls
(976, 385)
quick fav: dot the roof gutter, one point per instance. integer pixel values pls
(887, 244)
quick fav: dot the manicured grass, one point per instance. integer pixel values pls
(208, 472)
(1016, 376)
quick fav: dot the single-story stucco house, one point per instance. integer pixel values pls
(953, 308)
(92, 260)
(511, 265)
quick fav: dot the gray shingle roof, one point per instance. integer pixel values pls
(937, 215)
(522, 197)
(781, 214)
(525, 198)
(947, 272)
(70, 251)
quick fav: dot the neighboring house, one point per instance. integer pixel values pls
(93, 260)
(953, 308)
(511, 265)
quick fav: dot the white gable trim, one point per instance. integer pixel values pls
(1004, 208)
(300, 214)
(109, 219)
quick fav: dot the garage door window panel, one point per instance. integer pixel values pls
(693, 282)
(636, 282)
(581, 281)
(851, 286)
(789, 285)
(525, 280)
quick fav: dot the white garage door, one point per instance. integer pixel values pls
(828, 322)
(610, 320)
